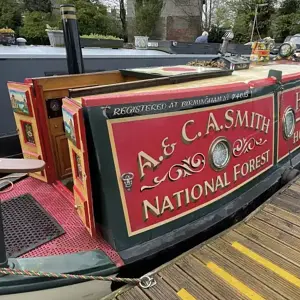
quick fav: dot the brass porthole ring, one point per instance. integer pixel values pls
(289, 123)
(219, 153)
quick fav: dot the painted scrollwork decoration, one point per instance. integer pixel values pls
(244, 145)
(191, 165)
(127, 179)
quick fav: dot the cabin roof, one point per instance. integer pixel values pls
(255, 72)
(60, 52)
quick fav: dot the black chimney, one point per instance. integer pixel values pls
(72, 39)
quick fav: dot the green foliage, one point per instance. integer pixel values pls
(34, 27)
(100, 37)
(10, 14)
(287, 20)
(147, 13)
(285, 25)
(38, 5)
(244, 11)
(93, 18)
(223, 17)
(289, 7)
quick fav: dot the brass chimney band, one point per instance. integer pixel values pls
(68, 12)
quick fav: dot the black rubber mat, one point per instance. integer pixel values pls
(27, 225)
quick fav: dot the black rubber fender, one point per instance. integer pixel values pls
(288, 175)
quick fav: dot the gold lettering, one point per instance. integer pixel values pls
(265, 125)
(297, 101)
(229, 118)
(150, 163)
(245, 169)
(252, 119)
(210, 186)
(258, 120)
(177, 196)
(154, 210)
(167, 205)
(240, 120)
(252, 166)
(195, 197)
(236, 172)
(226, 180)
(219, 183)
(257, 160)
(212, 124)
(296, 137)
(186, 197)
(184, 136)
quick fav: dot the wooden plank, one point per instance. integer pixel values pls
(134, 293)
(79, 80)
(161, 290)
(261, 273)
(292, 191)
(233, 236)
(276, 234)
(282, 224)
(295, 188)
(283, 214)
(204, 277)
(288, 197)
(206, 255)
(287, 204)
(272, 245)
(177, 279)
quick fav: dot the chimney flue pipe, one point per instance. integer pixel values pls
(72, 39)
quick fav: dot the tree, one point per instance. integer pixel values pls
(287, 20)
(10, 14)
(289, 7)
(147, 13)
(38, 5)
(244, 11)
(34, 26)
(123, 20)
(93, 18)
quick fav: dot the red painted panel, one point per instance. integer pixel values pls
(288, 99)
(163, 161)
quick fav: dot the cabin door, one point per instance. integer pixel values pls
(75, 132)
(29, 126)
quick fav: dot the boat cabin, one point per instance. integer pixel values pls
(133, 150)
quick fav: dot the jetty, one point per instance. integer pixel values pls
(258, 258)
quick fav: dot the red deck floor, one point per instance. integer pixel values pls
(76, 238)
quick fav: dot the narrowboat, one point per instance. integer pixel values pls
(37, 61)
(139, 160)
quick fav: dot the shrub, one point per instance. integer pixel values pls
(7, 30)
(34, 27)
(10, 14)
(100, 36)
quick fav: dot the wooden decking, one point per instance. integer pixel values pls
(258, 258)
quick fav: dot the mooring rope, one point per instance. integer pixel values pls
(144, 282)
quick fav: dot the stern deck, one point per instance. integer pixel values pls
(259, 258)
(76, 238)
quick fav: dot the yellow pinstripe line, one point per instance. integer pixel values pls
(266, 263)
(242, 288)
(185, 295)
